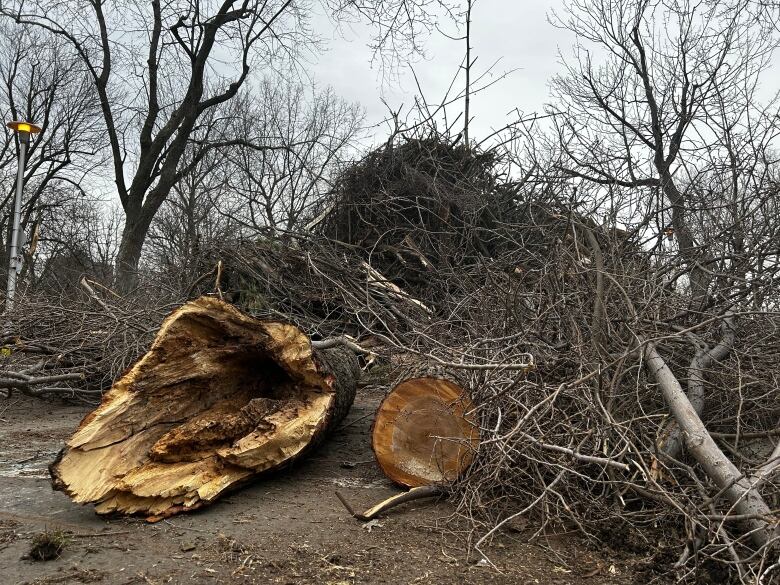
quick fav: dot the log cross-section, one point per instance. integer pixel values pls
(424, 432)
(218, 399)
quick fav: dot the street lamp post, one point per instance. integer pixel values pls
(23, 129)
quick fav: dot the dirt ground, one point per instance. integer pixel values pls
(286, 529)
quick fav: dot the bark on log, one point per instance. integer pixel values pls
(424, 433)
(219, 399)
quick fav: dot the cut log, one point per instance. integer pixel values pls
(424, 432)
(219, 399)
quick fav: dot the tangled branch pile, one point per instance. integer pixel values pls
(590, 370)
(74, 343)
(420, 207)
(589, 439)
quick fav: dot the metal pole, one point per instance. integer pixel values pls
(13, 263)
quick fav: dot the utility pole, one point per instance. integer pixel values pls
(23, 130)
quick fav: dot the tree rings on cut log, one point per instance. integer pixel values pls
(423, 432)
(219, 399)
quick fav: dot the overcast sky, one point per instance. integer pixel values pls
(515, 32)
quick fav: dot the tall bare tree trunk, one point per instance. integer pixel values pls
(691, 253)
(128, 257)
(138, 219)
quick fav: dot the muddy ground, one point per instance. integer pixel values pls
(286, 529)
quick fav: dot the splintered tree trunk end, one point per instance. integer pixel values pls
(219, 399)
(424, 432)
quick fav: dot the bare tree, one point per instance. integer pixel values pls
(636, 104)
(275, 190)
(158, 67)
(78, 238)
(41, 82)
(196, 217)
(243, 191)
(732, 187)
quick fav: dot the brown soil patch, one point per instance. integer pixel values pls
(288, 528)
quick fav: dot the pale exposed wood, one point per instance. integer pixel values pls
(423, 433)
(417, 493)
(377, 279)
(219, 398)
(703, 359)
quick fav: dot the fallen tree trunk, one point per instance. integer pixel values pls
(219, 399)
(704, 358)
(740, 491)
(423, 437)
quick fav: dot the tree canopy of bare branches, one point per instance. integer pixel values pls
(159, 68)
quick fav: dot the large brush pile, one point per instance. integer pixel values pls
(578, 444)
(421, 206)
(74, 343)
(426, 251)
(429, 255)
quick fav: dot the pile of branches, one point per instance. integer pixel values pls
(606, 403)
(588, 440)
(321, 286)
(72, 343)
(573, 342)
(420, 205)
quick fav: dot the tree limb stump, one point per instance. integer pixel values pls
(740, 491)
